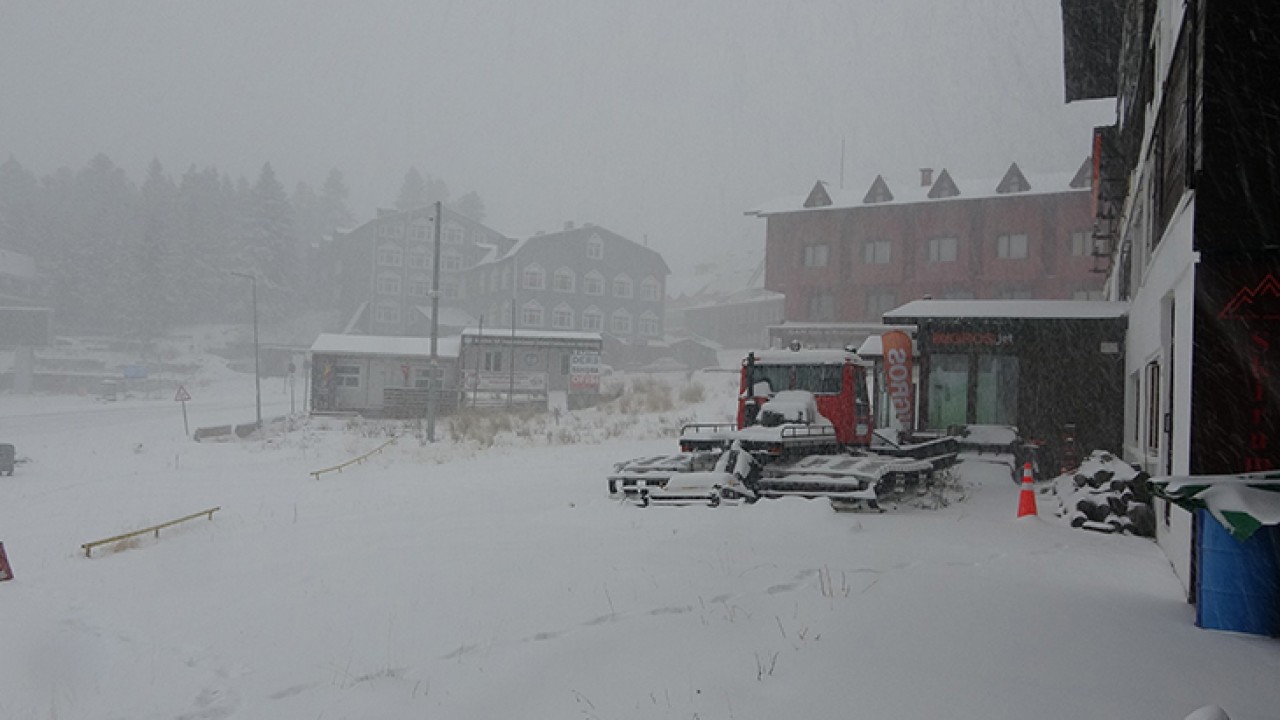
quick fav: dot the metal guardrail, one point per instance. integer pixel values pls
(315, 474)
(89, 546)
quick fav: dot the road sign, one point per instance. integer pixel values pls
(182, 394)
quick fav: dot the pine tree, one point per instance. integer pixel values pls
(417, 191)
(270, 244)
(18, 208)
(153, 261)
(471, 205)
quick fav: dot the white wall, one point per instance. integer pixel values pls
(1168, 280)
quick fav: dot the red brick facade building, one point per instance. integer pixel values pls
(850, 257)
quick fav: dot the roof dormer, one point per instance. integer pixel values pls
(943, 187)
(878, 193)
(1084, 176)
(818, 196)
(1013, 181)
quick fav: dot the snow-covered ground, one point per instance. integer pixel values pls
(451, 580)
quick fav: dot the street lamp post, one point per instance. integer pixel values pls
(257, 376)
(433, 369)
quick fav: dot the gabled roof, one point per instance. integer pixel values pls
(878, 192)
(1013, 181)
(943, 187)
(818, 196)
(572, 233)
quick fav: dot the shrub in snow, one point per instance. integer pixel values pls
(1106, 495)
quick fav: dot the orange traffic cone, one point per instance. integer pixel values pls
(1027, 499)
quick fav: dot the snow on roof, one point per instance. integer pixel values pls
(805, 357)
(911, 191)
(499, 332)
(334, 344)
(453, 317)
(871, 347)
(1012, 309)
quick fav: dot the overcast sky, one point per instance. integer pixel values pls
(660, 119)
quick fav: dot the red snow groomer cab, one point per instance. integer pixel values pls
(804, 427)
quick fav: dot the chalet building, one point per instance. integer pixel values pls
(850, 257)
(1188, 210)
(586, 279)
(380, 273)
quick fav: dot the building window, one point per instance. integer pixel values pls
(943, 249)
(815, 255)
(592, 319)
(1153, 408)
(422, 377)
(533, 278)
(620, 323)
(418, 259)
(419, 286)
(622, 287)
(531, 314)
(492, 360)
(387, 313)
(346, 376)
(876, 252)
(822, 307)
(388, 284)
(420, 230)
(562, 317)
(391, 230)
(649, 325)
(563, 280)
(450, 262)
(452, 235)
(1013, 247)
(595, 248)
(649, 289)
(880, 302)
(390, 255)
(593, 283)
(1081, 244)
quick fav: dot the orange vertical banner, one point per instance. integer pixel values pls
(896, 346)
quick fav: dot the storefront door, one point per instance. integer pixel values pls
(948, 390)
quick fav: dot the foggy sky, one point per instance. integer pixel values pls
(661, 119)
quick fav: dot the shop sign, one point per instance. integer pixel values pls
(971, 338)
(584, 372)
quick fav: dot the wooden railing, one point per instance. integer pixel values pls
(338, 468)
(88, 547)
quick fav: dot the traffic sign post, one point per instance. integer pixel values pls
(183, 396)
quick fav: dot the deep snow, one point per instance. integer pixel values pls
(451, 581)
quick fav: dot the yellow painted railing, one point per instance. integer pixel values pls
(88, 547)
(338, 468)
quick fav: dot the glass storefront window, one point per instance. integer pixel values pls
(997, 401)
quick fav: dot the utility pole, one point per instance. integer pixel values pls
(435, 330)
(257, 376)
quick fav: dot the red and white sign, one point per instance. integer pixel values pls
(897, 371)
(584, 372)
(182, 395)
(6, 572)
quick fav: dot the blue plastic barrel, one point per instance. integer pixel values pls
(1238, 582)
